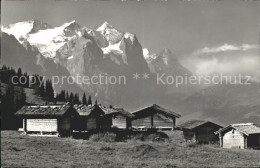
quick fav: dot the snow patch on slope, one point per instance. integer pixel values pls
(19, 29)
(48, 41)
(112, 48)
(70, 57)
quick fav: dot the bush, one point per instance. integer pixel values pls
(192, 145)
(137, 137)
(103, 137)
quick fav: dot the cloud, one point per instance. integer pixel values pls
(226, 47)
(225, 59)
(242, 65)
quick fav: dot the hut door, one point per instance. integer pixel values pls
(253, 141)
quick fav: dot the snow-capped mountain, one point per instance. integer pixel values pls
(31, 60)
(46, 38)
(21, 29)
(165, 62)
(105, 50)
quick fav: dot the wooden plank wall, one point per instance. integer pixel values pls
(189, 136)
(65, 124)
(91, 123)
(205, 134)
(160, 120)
(119, 121)
(47, 125)
(142, 122)
(233, 139)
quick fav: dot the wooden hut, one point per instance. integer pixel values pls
(243, 135)
(47, 120)
(90, 117)
(199, 131)
(117, 117)
(154, 117)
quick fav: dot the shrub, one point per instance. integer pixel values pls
(103, 137)
(192, 145)
(137, 137)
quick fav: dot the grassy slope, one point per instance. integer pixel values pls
(20, 151)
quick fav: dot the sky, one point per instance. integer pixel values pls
(188, 28)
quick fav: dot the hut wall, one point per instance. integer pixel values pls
(233, 139)
(64, 125)
(80, 123)
(189, 135)
(162, 121)
(119, 121)
(144, 122)
(106, 121)
(205, 134)
(91, 123)
(42, 125)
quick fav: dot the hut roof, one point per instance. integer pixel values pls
(84, 110)
(43, 111)
(156, 109)
(192, 124)
(245, 128)
(115, 111)
(108, 110)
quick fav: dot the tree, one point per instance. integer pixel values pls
(49, 92)
(21, 98)
(76, 99)
(84, 99)
(89, 100)
(61, 96)
(71, 97)
(12, 101)
(19, 74)
(96, 103)
(41, 87)
(36, 85)
(67, 96)
(8, 108)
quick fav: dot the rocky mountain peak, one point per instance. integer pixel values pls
(72, 28)
(39, 25)
(166, 51)
(167, 54)
(105, 26)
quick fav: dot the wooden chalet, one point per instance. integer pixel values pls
(242, 136)
(47, 120)
(90, 117)
(117, 117)
(154, 117)
(199, 131)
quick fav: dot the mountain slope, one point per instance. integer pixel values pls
(31, 61)
(223, 103)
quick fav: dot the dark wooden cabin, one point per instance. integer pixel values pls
(90, 117)
(47, 120)
(199, 131)
(117, 117)
(242, 136)
(154, 117)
